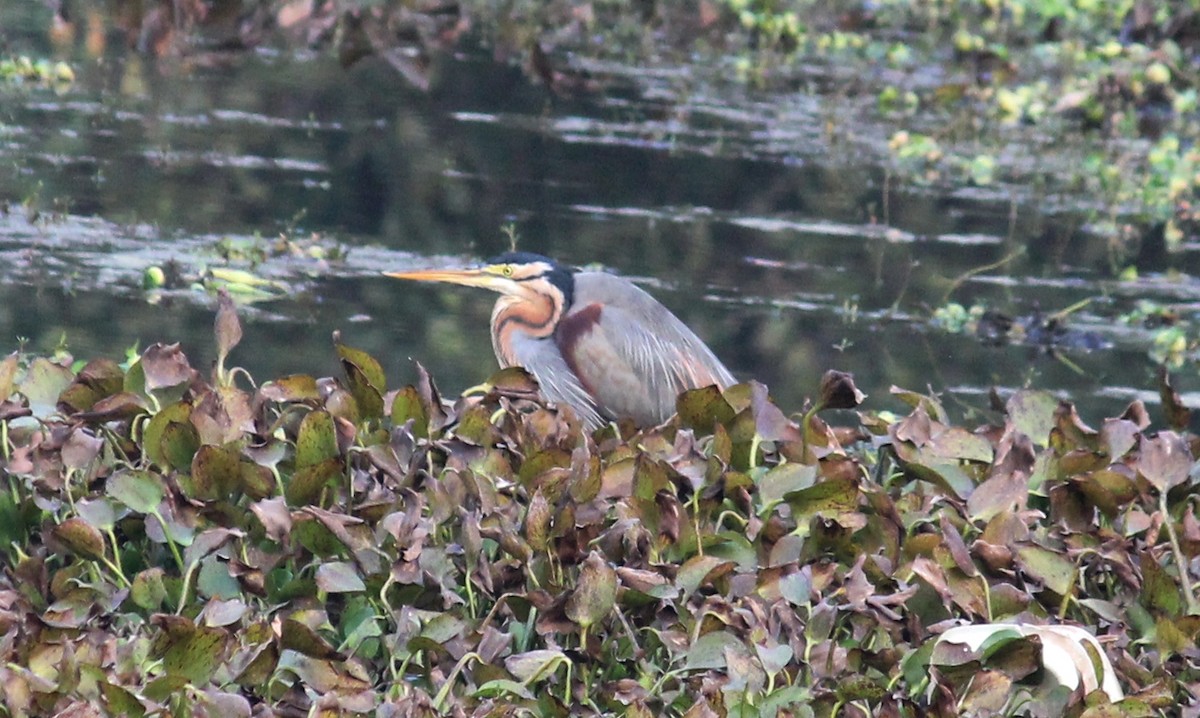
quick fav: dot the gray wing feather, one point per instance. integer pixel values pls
(644, 355)
(541, 357)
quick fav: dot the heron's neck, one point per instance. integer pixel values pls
(533, 317)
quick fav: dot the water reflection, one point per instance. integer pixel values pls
(787, 256)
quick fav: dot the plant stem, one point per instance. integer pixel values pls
(1189, 593)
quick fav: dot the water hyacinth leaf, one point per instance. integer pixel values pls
(503, 687)
(214, 580)
(141, 491)
(708, 652)
(81, 538)
(207, 542)
(98, 379)
(226, 327)
(297, 636)
(120, 701)
(595, 592)
(701, 409)
(1179, 417)
(306, 484)
(216, 472)
(827, 497)
(43, 383)
(699, 570)
(317, 538)
(1160, 592)
(1054, 570)
(839, 392)
(1032, 413)
(296, 387)
(219, 613)
(957, 443)
(406, 406)
(775, 658)
(366, 380)
(537, 521)
(98, 512)
(179, 444)
(165, 367)
(988, 693)
(533, 666)
(8, 373)
(796, 588)
(187, 650)
(339, 577)
(274, 516)
(257, 482)
(1165, 460)
(1109, 490)
(316, 441)
(80, 449)
(858, 688)
(179, 412)
(71, 611)
(784, 479)
(149, 589)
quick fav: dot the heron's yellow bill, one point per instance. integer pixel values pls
(481, 277)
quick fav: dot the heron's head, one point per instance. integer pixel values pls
(521, 275)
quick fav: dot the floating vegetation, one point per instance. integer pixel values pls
(19, 70)
(196, 546)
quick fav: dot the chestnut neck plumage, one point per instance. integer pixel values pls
(533, 314)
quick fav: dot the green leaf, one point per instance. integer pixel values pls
(179, 444)
(179, 412)
(42, 384)
(188, 651)
(297, 387)
(216, 472)
(708, 652)
(533, 666)
(141, 491)
(307, 483)
(215, 581)
(1032, 413)
(366, 379)
(829, 496)
(701, 409)
(407, 404)
(317, 439)
(1051, 568)
(595, 592)
(339, 577)
(81, 538)
(149, 590)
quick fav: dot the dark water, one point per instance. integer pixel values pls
(782, 243)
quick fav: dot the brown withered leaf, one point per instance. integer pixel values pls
(226, 327)
(97, 380)
(1007, 489)
(1178, 416)
(165, 366)
(299, 637)
(8, 372)
(839, 392)
(1165, 460)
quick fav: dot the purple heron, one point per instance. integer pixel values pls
(593, 341)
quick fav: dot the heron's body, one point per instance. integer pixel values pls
(594, 341)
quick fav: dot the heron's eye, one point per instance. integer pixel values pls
(506, 270)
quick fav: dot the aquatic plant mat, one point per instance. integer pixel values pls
(176, 545)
